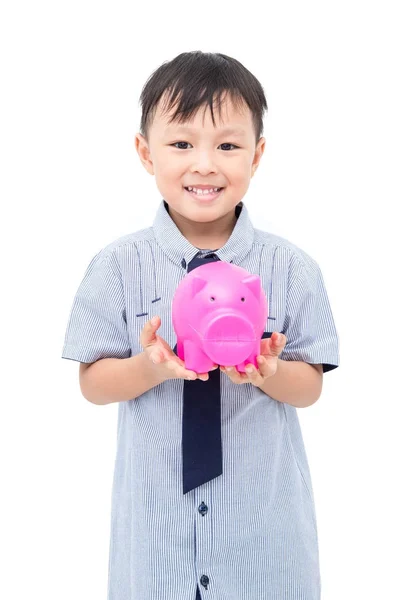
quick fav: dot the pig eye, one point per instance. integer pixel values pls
(212, 298)
(243, 299)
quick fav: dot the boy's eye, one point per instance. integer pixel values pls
(225, 144)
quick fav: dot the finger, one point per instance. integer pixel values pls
(267, 366)
(278, 343)
(234, 375)
(148, 335)
(254, 375)
(178, 367)
(204, 376)
(190, 375)
(274, 345)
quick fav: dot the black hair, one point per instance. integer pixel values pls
(196, 78)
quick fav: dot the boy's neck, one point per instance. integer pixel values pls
(212, 235)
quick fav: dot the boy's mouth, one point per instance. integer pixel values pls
(204, 197)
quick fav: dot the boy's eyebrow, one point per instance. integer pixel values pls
(227, 131)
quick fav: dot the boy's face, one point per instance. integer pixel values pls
(206, 155)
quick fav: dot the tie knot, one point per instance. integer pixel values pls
(197, 261)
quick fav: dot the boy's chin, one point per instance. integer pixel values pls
(203, 214)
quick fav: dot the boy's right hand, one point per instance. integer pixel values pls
(161, 354)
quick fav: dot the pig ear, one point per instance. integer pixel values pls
(253, 282)
(198, 284)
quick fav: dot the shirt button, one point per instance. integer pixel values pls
(183, 263)
(203, 508)
(204, 580)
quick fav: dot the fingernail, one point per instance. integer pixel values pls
(229, 368)
(249, 369)
(154, 320)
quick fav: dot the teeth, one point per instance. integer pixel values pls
(200, 192)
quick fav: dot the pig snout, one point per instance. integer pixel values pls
(229, 339)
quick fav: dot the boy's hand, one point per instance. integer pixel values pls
(161, 354)
(267, 362)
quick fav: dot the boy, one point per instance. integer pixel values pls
(249, 533)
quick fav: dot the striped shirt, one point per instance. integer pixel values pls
(251, 533)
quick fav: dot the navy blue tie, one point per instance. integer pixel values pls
(201, 423)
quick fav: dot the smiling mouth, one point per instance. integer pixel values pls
(203, 196)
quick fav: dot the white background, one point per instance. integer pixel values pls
(71, 76)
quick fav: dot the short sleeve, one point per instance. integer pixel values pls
(309, 325)
(96, 326)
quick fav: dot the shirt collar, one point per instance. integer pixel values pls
(181, 251)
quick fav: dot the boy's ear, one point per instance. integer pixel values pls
(142, 148)
(258, 154)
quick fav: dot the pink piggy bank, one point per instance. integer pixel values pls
(219, 312)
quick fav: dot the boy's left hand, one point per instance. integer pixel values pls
(270, 350)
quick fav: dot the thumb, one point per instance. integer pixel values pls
(279, 342)
(148, 336)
